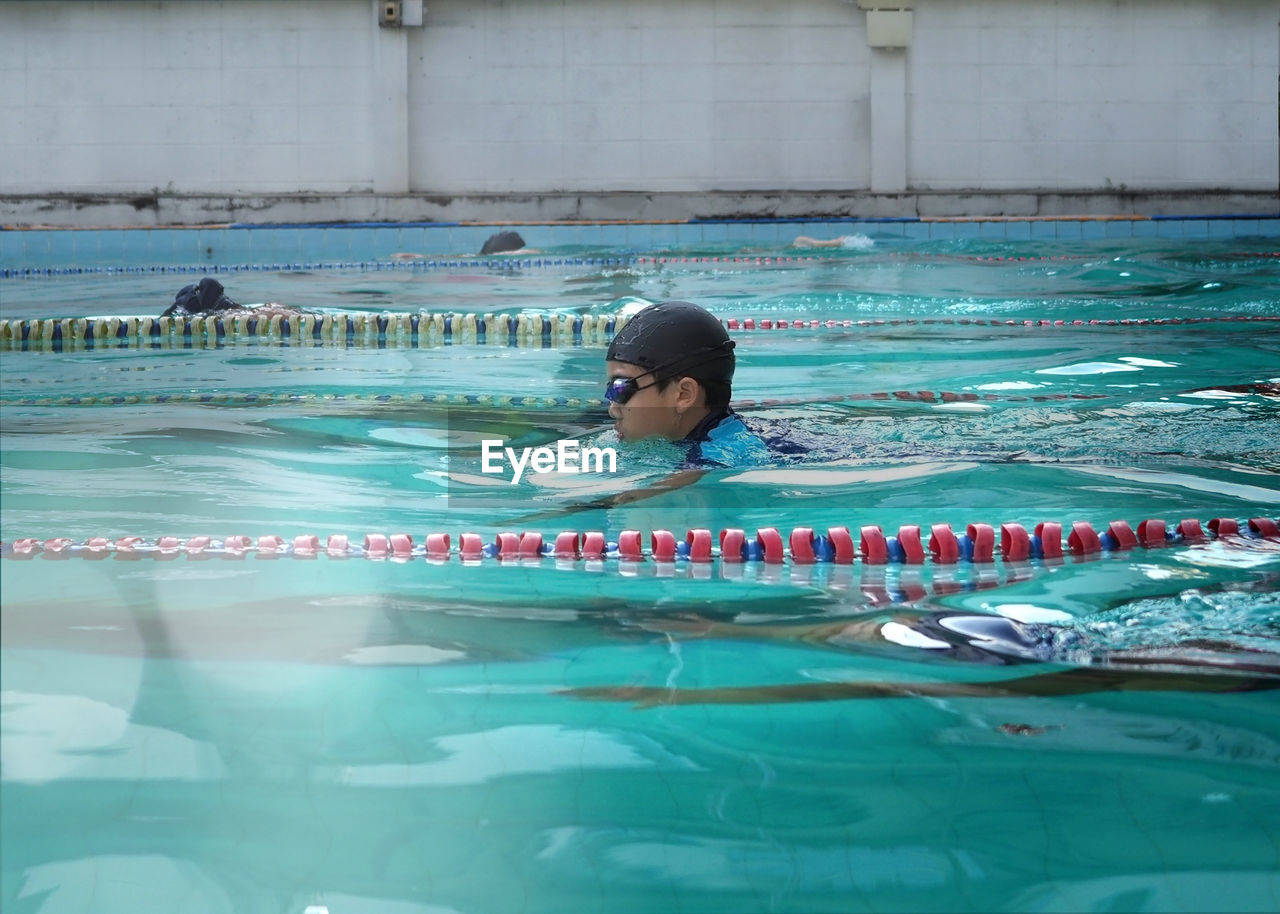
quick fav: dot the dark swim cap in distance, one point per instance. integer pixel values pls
(676, 339)
(502, 243)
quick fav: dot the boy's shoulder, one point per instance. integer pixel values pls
(731, 442)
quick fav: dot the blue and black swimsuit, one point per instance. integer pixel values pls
(726, 439)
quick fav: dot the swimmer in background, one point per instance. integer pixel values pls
(207, 298)
(507, 242)
(849, 242)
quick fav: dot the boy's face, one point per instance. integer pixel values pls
(649, 412)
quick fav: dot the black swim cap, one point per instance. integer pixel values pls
(502, 242)
(204, 298)
(675, 339)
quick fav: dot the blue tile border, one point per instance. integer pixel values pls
(227, 245)
(13, 247)
(1195, 228)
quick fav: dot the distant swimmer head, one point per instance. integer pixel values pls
(502, 243)
(681, 355)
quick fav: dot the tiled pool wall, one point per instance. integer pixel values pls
(22, 248)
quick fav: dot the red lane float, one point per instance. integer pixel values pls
(530, 545)
(273, 544)
(233, 544)
(770, 545)
(731, 543)
(802, 546)
(1050, 536)
(1264, 527)
(1223, 526)
(841, 544)
(629, 546)
(306, 544)
(1151, 533)
(943, 545)
(471, 546)
(508, 546)
(1015, 544)
(912, 547)
(438, 546)
(983, 539)
(1190, 529)
(1083, 539)
(872, 546)
(567, 545)
(663, 546)
(593, 545)
(337, 545)
(699, 543)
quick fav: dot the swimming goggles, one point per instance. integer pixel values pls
(620, 390)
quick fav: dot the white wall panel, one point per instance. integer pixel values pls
(529, 96)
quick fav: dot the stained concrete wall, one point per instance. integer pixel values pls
(198, 110)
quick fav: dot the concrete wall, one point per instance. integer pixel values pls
(1094, 94)
(647, 95)
(222, 97)
(234, 102)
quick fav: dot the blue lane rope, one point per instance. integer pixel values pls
(416, 266)
(503, 401)
(419, 264)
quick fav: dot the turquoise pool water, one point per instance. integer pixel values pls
(212, 733)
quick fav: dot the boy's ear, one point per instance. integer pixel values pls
(691, 393)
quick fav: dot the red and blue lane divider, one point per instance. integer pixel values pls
(939, 544)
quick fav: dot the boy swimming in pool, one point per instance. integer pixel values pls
(670, 375)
